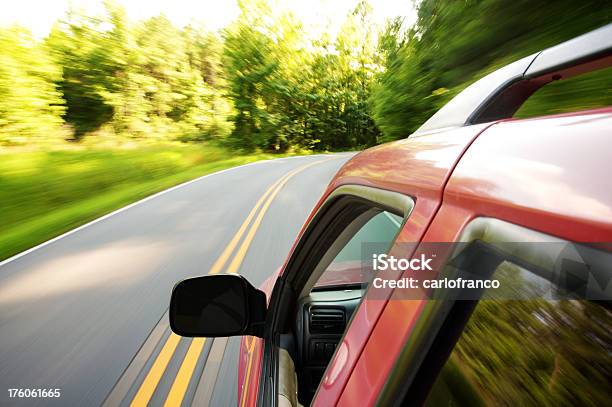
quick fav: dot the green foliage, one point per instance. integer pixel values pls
(30, 104)
(529, 351)
(454, 43)
(45, 193)
(79, 46)
(264, 84)
(145, 80)
(249, 66)
(588, 91)
(150, 80)
(292, 91)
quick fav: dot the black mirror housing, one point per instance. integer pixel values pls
(216, 306)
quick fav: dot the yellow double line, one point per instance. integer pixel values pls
(183, 377)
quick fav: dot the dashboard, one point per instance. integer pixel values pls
(321, 320)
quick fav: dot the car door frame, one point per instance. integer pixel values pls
(339, 211)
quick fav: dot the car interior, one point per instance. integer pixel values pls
(325, 307)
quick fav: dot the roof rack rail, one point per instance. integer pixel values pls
(499, 94)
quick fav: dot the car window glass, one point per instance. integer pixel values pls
(529, 352)
(346, 266)
(589, 91)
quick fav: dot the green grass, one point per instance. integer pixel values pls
(46, 193)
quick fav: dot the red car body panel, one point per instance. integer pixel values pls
(552, 173)
(251, 353)
(536, 172)
(418, 167)
(249, 369)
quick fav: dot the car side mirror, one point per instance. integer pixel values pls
(217, 305)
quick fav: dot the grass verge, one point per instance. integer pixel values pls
(44, 194)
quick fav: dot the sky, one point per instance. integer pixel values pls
(316, 15)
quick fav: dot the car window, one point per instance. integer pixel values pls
(529, 352)
(324, 314)
(345, 269)
(589, 91)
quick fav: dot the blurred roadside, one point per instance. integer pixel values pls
(46, 193)
(105, 110)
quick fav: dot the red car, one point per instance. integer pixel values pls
(528, 203)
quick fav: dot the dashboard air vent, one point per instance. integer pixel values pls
(327, 320)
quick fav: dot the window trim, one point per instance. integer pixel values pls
(395, 202)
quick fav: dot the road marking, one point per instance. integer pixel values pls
(218, 265)
(129, 376)
(182, 379)
(125, 208)
(155, 373)
(210, 373)
(235, 265)
(244, 247)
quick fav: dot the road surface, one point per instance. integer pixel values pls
(86, 313)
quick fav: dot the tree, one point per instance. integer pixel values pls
(30, 104)
(455, 43)
(249, 65)
(87, 52)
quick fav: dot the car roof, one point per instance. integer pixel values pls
(550, 173)
(418, 166)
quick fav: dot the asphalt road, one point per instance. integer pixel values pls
(86, 313)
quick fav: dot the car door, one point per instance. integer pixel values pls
(328, 257)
